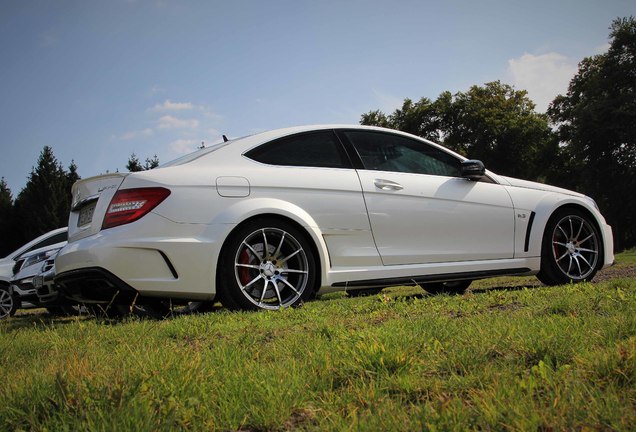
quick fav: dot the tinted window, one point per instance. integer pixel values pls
(316, 149)
(57, 238)
(388, 152)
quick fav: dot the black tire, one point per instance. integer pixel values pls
(452, 287)
(266, 264)
(571, 248)
(8, 303)
(364, 292)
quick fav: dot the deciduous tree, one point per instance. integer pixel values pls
(596, 121)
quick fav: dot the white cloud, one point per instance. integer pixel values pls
(130, 135)
(171, 122)
(168, 105)
(544, 76)
(184, 146)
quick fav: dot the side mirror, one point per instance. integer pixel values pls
(473, 169)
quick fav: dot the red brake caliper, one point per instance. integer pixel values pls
(244, 272)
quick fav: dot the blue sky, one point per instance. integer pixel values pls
(99, 80)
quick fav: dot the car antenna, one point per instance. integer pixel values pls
(225, 139)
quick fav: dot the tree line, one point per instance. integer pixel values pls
(585, 142)
(45, 202)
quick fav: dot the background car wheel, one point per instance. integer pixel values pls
(8, 304)
(453, 287)
(267, 264)
(571, 248)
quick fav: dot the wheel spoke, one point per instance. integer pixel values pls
(559, 243)
(280, 300)
(252, 266)
(569, 266)
(588, 250)
(586, 262)
(252, 282)
(286, 282)
(256, 254)
(586, 238)
(293, 271)
(264, 291)
(578, 264)
(265, 246)
(562, 231)
(280, 245)
(284, 260)
(578, 234)
(563, 256)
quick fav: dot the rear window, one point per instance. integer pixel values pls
(315, 149)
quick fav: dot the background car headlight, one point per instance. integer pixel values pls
(34, 259)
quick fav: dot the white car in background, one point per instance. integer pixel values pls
(269, 220)
(31, 255)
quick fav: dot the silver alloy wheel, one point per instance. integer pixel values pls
(271, 268)
(575, 247)
(6, 303)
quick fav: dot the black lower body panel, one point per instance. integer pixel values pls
(416, 280)
(95, 285)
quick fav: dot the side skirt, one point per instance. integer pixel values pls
(416, 280)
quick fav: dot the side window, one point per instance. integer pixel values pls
(57, 238)
(387, 152)
(315, 149)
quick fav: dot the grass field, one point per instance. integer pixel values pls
(505, 356)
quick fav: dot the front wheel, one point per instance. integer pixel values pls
(267, 264)
(571, 248)
(8, 304)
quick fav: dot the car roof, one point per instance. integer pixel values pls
(35, 241)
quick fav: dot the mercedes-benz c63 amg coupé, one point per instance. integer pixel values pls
(269, 220)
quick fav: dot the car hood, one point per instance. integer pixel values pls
(511, 181)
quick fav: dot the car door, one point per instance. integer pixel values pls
(422, 211)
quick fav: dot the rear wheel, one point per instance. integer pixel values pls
(267, 264)
(571, 248)
(453, 287)
(8, 304)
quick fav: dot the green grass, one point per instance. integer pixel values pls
(560, 358)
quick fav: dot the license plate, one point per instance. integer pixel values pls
(38, 282)
(86, 215)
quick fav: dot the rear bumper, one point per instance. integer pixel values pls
(179, 264)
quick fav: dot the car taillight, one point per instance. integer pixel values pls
(129, 205)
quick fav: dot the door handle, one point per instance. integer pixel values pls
(387, 185)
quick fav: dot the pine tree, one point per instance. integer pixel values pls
(6, 219)
(133, 164)
(44, 203)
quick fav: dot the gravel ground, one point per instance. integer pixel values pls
(616, 271)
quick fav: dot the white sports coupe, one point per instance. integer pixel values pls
(270, 220)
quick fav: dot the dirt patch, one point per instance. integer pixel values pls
(617, 271)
